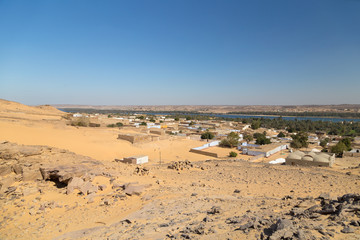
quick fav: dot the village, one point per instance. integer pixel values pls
(223, 139)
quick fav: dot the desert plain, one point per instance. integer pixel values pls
(60, 181)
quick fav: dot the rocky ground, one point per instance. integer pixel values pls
(50, 193)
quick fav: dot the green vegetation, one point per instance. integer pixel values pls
(207, 135)
(233, 154)
(346, 128)
(324, 142)
(143, 124)
(230, 141)
(248, 138)
(140, 117)
(281, 135)
(118, 124)
(341, 146)
(299, 140)
(255, 124)
(261, 139)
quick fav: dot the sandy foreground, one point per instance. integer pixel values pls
(202, 198)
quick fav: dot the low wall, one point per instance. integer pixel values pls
(207, 145)
(210, 154)
(351, 154)
(307, 163)
(157, 132)
(135, 138)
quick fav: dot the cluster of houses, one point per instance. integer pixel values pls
(156, 127)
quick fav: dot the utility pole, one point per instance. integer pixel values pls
(160, 156)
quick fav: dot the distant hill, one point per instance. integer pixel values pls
(341, 108)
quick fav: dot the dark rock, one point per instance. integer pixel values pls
(246, 226)
(181, 165)
(283, 223)
(355, 223)
(63, 173)
(328, 209)
(287, 197)
(347, 229)
(10, 190)
(17, 169)
(324, 196)
(215, 210)
(207, 219)
(102, 187)
(195, 228)
(141, 171)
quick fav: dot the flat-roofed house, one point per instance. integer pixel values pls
(265, 150)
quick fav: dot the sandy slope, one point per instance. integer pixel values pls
(44, 126)
(14, 107)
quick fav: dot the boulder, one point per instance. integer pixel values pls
(215, 210)
(88, 188)
(133, 189)
(102, 187)
(5, 170)
(17, 169)
(283, 224)
(74, 183)
(63, 173)
(6, 182)
(347, 229)
(31, 175)
(30, 191)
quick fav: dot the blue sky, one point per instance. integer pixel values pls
(180, 52)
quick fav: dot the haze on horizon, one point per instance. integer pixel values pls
(180, 52)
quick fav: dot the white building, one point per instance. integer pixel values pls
(140, 159)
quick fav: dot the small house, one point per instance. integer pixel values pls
(140, 159)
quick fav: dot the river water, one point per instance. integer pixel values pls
(330, 119)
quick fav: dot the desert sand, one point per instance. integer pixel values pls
(62, 182)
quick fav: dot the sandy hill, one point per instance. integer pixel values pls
(8, 108)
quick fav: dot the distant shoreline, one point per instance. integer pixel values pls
(221, 115)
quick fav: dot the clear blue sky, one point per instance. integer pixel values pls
(180, 52)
